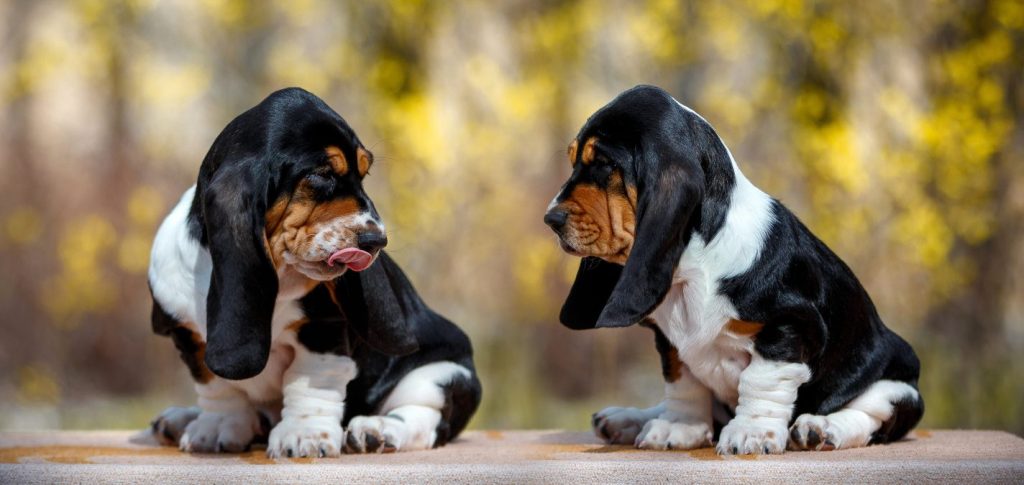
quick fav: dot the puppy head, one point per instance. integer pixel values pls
(631, 203)
(321, 222)
(595, 212)
(280, 189)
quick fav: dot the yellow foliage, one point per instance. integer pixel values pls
(23, 226)
(81, 286)
(167, 85)
(230, 13)
(145, 206)
(534, 259)
(133, 252)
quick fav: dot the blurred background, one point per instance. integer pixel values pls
(893, 129)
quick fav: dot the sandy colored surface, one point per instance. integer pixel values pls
(511, 456)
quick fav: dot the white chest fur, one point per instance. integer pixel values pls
(694, 315)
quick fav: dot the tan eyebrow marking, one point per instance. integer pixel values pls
(364, 159)
(338, 162)
(572, 151)
(588, 150)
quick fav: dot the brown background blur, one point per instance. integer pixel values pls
(893, 129)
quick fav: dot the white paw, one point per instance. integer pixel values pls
(660, 434)
(310, 436)
(170, 424)
(220, 432)
(745, 436)
(617, 425)
(811, 432)
(375, 434)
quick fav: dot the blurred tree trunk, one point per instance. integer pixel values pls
(25, 260)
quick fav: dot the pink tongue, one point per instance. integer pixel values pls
(355, 259)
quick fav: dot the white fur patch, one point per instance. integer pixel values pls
(314, 397)
(227, 422)
(405, 428)
(179, 268)
(853, 425)
(685, 421)
(422, 386)
(409, 416)
(767, 392)
(661, 434)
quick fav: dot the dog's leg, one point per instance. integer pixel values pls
(170, 424)
(314, 404)
(227, 421)
(428, 407)
(767, 391)
(685, 422)
(856, 423)
(620, 426)
(682, 421)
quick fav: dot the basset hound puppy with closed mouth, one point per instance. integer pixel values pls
(767, 339)
(269, 277)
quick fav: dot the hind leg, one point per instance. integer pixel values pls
(619, 425)
(170, 424)
(428, 407)
(858, 422)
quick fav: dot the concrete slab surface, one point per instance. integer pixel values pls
(965, 457)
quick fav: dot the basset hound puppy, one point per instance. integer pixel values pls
(269, 277)
(767, 339)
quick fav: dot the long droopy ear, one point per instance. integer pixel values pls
(381, 305)
(589, 294)
(670, 185)
(243, 285)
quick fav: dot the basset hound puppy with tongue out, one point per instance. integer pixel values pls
(768, 341)
(298, 329)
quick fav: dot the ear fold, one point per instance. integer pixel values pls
(670, 185)
(380, 303)
(243, 285)
(595, 281)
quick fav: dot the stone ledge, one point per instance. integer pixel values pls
(510, 456)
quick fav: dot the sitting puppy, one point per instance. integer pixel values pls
(264, 277)
(756, 320)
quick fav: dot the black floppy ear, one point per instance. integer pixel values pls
(589, 294)
(379, 303)
(670, 185)
(243, 285)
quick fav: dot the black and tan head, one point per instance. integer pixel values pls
(635, 196)
(279, 197)
(595, 213)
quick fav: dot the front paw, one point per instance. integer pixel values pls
(660, 434)
(310, 436)
(618, 426)
(220, 432)
(745, 435)
(374, 434)
(168, 427)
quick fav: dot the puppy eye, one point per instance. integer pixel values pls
(321, 183)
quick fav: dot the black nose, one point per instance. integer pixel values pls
(556, 219)
(372, 241)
